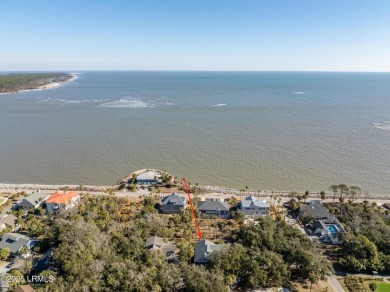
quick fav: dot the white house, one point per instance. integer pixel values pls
(148, 177)
(253, 207)
(62, 200)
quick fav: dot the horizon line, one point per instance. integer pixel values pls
(162, 70)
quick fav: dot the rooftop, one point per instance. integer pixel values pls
(61, 197)
(213, 205)
(147, 175)
(316, 209)
(36, 198)
(24, 288)
(154, 242)
(203, 250)
(319, 224)
(174, 199)
(14, 241)
(8, 219)
(252, 201)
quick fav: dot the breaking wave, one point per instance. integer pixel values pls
(219, 104)
(60, 100)
(382, 125)
(128, 103)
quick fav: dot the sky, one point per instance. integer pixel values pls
(260, 35)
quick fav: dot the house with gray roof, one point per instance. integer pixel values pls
(203, 250)
(332, 230)
(254, 207)
(148, 177)
(167, 248)
(320, 227)
(173, 204)
(8, 221)
(214, 208)
(33, 201)
(316, 210)
(15, 242)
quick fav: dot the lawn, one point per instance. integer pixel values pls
(381, 286)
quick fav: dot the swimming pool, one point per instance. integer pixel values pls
(332, 229)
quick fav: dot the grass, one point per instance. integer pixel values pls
(384, 287)
(381, 286)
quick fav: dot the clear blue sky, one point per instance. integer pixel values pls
(319, 35)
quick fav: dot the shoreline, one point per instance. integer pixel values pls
(48, 85)
(5, 187)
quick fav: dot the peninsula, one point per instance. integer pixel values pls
(15, 82)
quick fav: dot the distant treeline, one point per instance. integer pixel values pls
(23, 81)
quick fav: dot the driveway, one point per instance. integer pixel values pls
(335, 284)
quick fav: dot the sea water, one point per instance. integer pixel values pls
(268, 130)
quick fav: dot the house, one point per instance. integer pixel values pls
(8, 221)
(219, 209)
(15, 242)
(254, 207)
(320, 227)
(62, 200)
(332, 231)
(167, 248)
(316, 210)
(33, 201)
(148, 177)
(203, 250)
(25, 288)
(173, 204)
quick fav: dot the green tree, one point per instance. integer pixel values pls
(17, 277)
(372, 287)
(323, 195)
(334, 189)
(4, 253)
(305, 196)
(313, 278)
(186, 250)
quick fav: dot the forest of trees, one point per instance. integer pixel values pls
(23, 81)
(99, 246)
(367, 242)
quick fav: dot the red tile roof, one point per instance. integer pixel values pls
(61, 197)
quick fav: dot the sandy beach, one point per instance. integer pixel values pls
(47, 86)
(52, 85)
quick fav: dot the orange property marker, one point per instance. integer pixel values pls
(199, 233)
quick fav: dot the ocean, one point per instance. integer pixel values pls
(287, 131)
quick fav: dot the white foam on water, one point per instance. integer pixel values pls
(382, 125)
(60, 100)
(128, 103)
(219, 104)
(299, 92)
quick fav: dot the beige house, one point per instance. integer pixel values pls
(62, 200)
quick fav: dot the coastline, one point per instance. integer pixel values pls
(47, 84)
(203, 189)
(50, 85)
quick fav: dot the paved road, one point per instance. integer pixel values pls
(335, 284)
